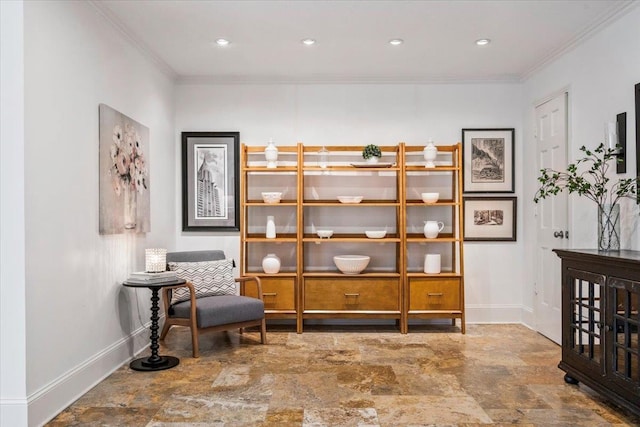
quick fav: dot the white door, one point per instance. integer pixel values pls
(552, 217)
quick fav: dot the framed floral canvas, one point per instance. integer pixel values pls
(124, 173)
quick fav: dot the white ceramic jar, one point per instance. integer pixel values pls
(430, 153)
(432, 263)
(271, 154)
(271, 264)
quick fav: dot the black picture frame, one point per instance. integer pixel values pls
(637, 96)
(621, 157)
(210, 181)
(490, 219)
(488, 159)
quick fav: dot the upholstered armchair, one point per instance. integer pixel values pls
(209, 301)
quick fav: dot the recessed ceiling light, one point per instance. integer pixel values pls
(483, 42)
(222, 42)
(396, 42)
(309, 42)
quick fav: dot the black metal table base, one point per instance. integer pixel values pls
(145, 363)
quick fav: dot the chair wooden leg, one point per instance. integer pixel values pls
(195, 343)
(165, 330)
(263, 331)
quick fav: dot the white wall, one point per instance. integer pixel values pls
(353, 114)
(600, 75)
(81, 323)
(13, 397)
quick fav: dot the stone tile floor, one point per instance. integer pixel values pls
(350, 376)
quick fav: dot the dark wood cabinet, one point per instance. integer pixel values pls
(601, 322)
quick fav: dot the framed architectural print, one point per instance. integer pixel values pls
(488, 160)
(490, 219)
(210, 181)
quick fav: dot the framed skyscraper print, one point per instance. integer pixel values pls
(210, 181)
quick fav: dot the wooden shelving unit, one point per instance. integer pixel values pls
(309, 286)
(435, 296)
(281, 290)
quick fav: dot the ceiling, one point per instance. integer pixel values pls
(352, 37)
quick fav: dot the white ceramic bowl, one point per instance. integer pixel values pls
(324, 234)
(430, 197)
(375, 234)
(350, 199)
(271, 196)
(351, 264)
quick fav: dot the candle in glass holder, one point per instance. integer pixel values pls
(155, 260)
(611, 135)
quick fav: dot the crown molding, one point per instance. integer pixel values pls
(342, 79)
(142, 47)
(595, 27)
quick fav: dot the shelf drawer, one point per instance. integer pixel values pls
(278, 292)
(437, 293)
(351, 294)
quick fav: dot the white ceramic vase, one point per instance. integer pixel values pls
(130, 212)
(430, 153)
(271, 264)
(432, 228)
(271, 154)
(271, 227)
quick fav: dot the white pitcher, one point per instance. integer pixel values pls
(432, 228)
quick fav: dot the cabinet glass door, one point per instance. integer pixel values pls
(586, 315)
(625, 296)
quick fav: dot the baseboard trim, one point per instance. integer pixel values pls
(494, 313)
(53, 398)
(474, 313)
(13, 412)
(528, 317)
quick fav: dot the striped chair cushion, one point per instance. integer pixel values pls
(208, 277)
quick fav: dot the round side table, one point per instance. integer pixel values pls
(155, 362)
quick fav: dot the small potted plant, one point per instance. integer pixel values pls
(594, 184)
(372, 153)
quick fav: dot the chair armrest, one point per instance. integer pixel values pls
(244, 279)
(167, 301)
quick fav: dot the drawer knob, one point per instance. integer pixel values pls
(435, 294)
(269, 294)
(352, 295)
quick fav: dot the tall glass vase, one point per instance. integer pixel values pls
(130, 205)
(609, 227)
